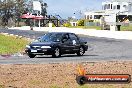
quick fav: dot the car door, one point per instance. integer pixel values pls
(75, 43)
(66, 45)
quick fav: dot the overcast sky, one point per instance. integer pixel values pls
(67, 8)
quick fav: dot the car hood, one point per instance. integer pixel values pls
(42, 43)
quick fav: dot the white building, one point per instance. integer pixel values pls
(73, 23)
(112, 11)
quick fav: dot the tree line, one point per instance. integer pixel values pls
(11, 10)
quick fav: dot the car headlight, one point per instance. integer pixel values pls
(45, 47)
(27, 46)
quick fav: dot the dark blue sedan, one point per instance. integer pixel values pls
(56, 44)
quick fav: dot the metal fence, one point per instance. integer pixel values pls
(98, 24)
(92, 24)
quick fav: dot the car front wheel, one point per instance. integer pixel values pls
(56, 53)
(31, 55)
(81, 51)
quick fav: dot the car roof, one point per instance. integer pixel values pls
(61, 33)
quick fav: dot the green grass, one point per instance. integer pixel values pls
(87, 27)
(93, 27)
(105, 86)
(126, 28)
(54, 86)
(2, 86)
(10, 44)
(35, 82)
(123, 28)
(97, 86)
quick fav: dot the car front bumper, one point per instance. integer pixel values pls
(40, 51)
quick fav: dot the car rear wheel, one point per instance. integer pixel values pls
(31, 55)
(81, 51)
(56, 53)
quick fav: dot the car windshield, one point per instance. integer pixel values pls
(51, 37)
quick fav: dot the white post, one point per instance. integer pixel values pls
(39, 22)
(113, 28)
(50, 24)
(34, 22)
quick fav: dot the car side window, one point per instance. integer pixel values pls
(74, 38)
(66, 38)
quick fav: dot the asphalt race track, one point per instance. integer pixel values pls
(100, 49)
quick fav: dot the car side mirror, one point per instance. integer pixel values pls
(85, 42)
(39, 38)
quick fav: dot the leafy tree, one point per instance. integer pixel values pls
(11, 9)
(6, 9)
(19, 10)
(44, 11)
(80, 23)
(68, 24)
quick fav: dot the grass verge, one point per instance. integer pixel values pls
(126, 28)
(123, 28)
(11, 44)
(87, 27)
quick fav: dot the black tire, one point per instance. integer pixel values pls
(57, 52)
(31, 55)
(81, 51)
(81, 80)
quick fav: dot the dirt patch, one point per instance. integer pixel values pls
(60, 75)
